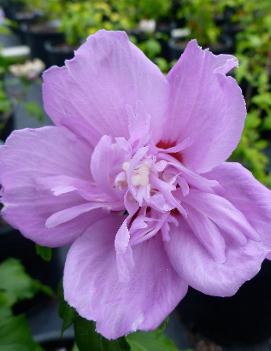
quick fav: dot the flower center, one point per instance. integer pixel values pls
(150, 182)
(148, 177)
(140, 175)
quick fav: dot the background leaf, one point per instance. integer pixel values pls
(88, 339)
(152, 341)
(66, 312)
(16, 285)
(45, 253)
(15, 335)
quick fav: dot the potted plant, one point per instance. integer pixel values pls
(20, 13)
(73, 23)
(39, 33)
(46, 28)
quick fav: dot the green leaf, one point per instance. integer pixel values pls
(88, 339)
(15, 335)
(66, 312)
(15, 284)
(115, 345)
(5, 311)
(263, 100)
(45, 289)
(152, 341)
(45, 253)
(85, 335)
(4, 30)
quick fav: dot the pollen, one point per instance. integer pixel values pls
(141, 175)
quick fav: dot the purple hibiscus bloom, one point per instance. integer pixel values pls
(133, 177)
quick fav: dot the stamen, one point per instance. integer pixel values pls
(141, 175)
(125, 166)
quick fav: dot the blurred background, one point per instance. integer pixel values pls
(35, 34)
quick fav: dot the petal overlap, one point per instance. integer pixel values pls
(202, 272)
(247, 194)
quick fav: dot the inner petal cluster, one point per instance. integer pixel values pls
(149, 183)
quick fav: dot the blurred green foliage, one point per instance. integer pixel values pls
(5, 106)
(200, 18)
(15, 334)
(81, 19)
(254, 74)
(143, 9)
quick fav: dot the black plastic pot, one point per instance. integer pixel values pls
(265, 134)
(58, 53)
(224, 46)
(165, 25)
(21, 18)
(176, 48)
(10, 7)
(244, 318)
(37, 35)
(138, 34)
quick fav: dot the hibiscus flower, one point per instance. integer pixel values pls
(133, 177)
